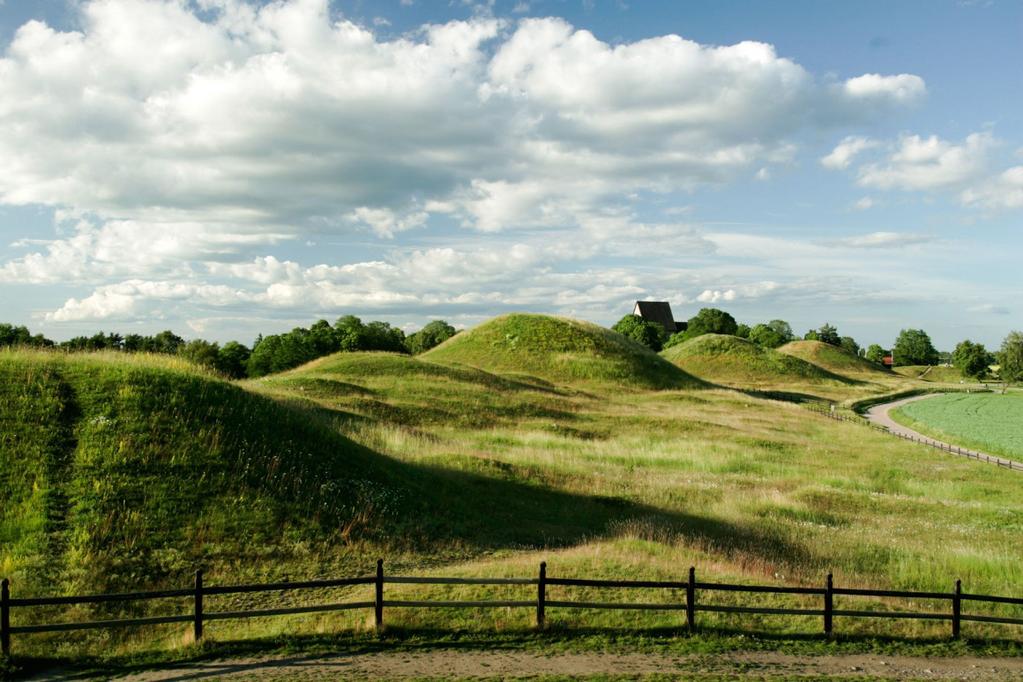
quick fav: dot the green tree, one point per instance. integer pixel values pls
(1010, 358)
(826, 333)
(743, 331)
(350, 333)
(233, 359)
(972, 359)
(875, 354)
(431, 335)
(383, 337)
(201, 352)
(650, 334)
(849, 344)
(767, 336)
(711, 321)
(323, 338)
(783, 329)
(914, 347)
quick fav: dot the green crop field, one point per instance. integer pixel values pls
(502, 448)
(990, 422)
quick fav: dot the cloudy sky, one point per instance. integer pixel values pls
(228, 167)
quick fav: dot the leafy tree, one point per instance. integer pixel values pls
(166, 342)
(767, 336)
(825, 334)
(201, 352)
(875, 354)
(323, 338)
(711, 321)
(431, 335)
(650, 334)
(21, 336)
(743, 331)
(382, 336)
(1010, 358)
(350, 333)
(674, 340)
(972, 359)
(783, 329)
(233, 359)
(262, 359)
(849, 343)
(914, 347)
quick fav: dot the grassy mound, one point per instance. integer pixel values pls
(934, 374)
(834, 359)
(559, 350)
(126, 470)
(732, 361)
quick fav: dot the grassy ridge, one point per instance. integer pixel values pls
(731, 361)
(559, 350)
(469, 471)
(836, 360)
(128, 471)
(989, 422)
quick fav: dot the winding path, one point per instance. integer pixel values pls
(879, 415)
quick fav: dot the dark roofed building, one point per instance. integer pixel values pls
(659, 312)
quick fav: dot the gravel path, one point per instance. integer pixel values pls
(450, 664)
(879, 414)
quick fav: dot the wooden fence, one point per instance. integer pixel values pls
(826, 411)
(543, 582)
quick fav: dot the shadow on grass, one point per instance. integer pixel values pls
(290, 654)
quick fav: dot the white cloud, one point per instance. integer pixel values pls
(989, 308)
(842, 155)
(715, 296)
(1001, 191)
(879, 240)
(930, 163)
(903, 88)
(182, 143)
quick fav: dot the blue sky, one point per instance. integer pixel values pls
(225, 168)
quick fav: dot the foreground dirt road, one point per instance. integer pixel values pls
(453, 664)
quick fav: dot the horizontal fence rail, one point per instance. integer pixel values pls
(826, 411)
(691, 589)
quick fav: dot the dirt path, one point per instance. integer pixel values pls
(453, 664)
(879, 414)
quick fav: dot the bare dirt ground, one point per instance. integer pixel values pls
(448, 664)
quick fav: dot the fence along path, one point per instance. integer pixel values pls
(913, 437)
(692, 604)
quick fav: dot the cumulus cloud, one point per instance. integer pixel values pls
(919, 163)
(186, 139)
(843, 153)
(1001, 191)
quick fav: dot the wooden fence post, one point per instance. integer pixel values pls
(378, 601)
(197, 611)
(541, 597)
(5, 617)
(691, 600)
(957, 609)
(829, 604)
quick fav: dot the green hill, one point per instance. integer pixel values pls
(835, 360)
(126, 470)
(559, 350)
(732, 361)
(935, 374)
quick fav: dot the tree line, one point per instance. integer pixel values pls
(912, 346)
(268, 354)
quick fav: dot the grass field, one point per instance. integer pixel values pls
(133, 471)
(991, 422)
